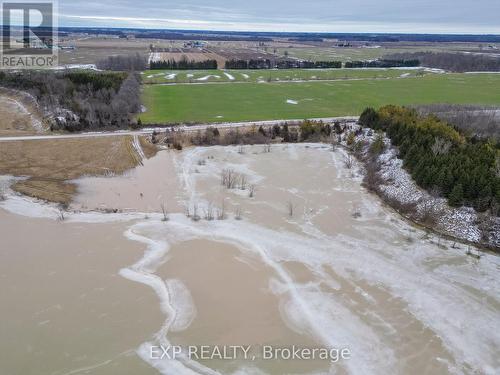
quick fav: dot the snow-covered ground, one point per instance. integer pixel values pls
(461, 223)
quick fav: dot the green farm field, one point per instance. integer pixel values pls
(267, 101)
(256, 76)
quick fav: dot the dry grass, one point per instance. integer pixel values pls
(17, 114)
(52, 190)
(149, 149)
(51, 164)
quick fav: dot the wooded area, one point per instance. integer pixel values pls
(77, 101)
(455, 62)
(384, 63)
(124, 63)
(465, 170)
(281, 64)
(184, 64)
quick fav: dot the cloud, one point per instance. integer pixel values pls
(423, 16)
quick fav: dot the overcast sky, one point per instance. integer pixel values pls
(409, 16)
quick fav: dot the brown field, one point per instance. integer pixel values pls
(91, 50)
(18, 114)
(191, 54)
(50, 165)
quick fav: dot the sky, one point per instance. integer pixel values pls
(392, 16)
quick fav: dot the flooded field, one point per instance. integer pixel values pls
(255, 247)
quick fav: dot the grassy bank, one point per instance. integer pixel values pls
(263, 101)
(50, 165)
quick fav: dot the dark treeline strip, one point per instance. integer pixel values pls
(124, 63)
(455, 62)
(184, 64)
(384, 63)
(281, 64)
(440, 159)
(80, 100)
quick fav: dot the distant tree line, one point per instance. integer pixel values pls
(281, 64)
(249, 64)
(384, 63)
(471, 120)
(183, 64)
(464, 170)
(80, 100)
(453, 61)
(124, 63)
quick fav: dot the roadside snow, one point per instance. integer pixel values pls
(229, 76)
(137, 146)
(290, 101)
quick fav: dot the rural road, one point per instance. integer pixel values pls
(187, 128)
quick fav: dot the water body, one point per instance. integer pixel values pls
(305, 256)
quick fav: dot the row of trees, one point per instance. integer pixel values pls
(249, 64)
(464, 170)
(81, 100)
(453, 61)
(124, 63)
(304, 131)
(384, 63)
(281, 64)
(183, 64)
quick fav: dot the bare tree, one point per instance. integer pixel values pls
(251, 191)
(348, 161)
(135, 62)
(164, 211)
(229, 178)
(243, 181)
(440, 146)
(60, 215)
(195, 216)
(237, 214)
(221, 211)
(290, 208)
(209, 212)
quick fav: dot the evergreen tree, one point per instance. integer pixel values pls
(456, 196)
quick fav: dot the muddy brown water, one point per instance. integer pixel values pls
(311, 259)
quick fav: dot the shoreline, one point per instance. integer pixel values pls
(383, 197)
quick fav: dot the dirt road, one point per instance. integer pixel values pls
(186, 128)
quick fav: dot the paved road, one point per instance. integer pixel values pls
(147, 131)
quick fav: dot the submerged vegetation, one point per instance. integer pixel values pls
(463, 169)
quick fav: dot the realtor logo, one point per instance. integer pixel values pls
(29, 35)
